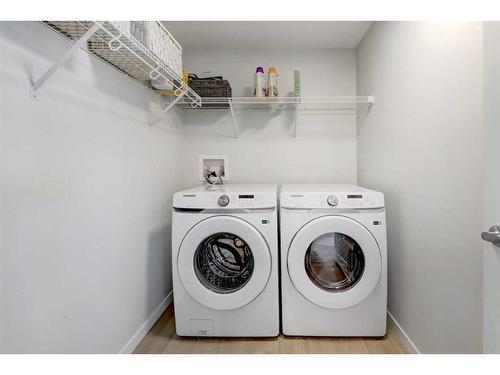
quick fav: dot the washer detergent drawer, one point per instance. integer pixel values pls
(202, 327)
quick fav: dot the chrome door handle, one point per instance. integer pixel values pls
(493, 235)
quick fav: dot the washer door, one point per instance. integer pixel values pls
(224, 262)
(334, 262)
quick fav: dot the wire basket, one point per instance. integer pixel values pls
(155, 37)
(151, 34)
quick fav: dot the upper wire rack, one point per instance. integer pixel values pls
(121, 50)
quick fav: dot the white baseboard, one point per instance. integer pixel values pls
(403, 337)
(144, 329)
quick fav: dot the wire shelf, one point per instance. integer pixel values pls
(336, 103)
(115, 45)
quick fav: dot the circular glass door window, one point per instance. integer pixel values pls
(334, 262)
(223, 262)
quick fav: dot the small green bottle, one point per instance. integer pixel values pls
(296, 83)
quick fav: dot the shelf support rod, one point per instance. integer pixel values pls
(166, 109)
(294, 131)
(67, 55)
(235, 126)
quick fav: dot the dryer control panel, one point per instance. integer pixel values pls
(330, 196)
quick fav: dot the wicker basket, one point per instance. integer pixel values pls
(211, 88)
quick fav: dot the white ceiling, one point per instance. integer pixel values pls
(268, 34)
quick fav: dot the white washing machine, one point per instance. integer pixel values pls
(333, 261)
(225, 261)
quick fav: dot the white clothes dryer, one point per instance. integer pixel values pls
(333, 261)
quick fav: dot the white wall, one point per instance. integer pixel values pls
(85, 194)
(325, 147)
(421, 145)
(491, 261)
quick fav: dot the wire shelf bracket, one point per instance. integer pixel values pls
(166, 109)
(294, 129)
(62, 60)
(235, 124)
(355, 102)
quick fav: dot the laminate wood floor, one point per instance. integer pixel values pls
(163, 339)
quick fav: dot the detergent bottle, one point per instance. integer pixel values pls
(259, 85)
(272, 82)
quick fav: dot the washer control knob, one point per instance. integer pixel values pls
(223, 200)
(332, 200)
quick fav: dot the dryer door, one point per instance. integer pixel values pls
(224, 262)
(334, 262)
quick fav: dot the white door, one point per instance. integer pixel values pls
(334, 262)
(491, 252)
(224, 262)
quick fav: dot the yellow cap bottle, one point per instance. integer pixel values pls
(272, 82)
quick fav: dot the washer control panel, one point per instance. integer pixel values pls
(238, 201)
(332, 200)
(227, 197)
(223, 200)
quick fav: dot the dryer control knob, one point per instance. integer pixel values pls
(332, 200)
(223, 200)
